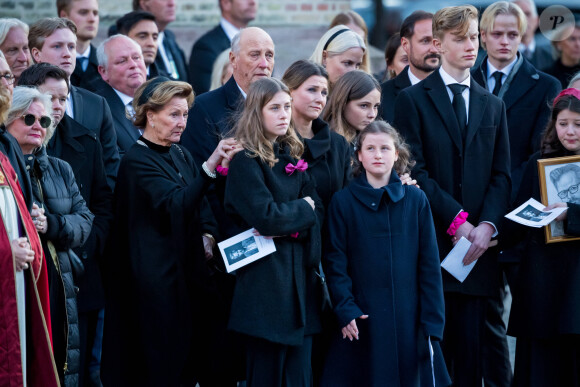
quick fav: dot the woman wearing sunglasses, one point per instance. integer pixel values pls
(64, 224)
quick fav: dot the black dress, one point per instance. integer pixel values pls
(155, 274)
(545, 316)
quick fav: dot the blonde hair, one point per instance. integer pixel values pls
(502, 8)
(351, 17)
(249, 127)
(351, 86)
(338, 44)
(160, 96)
(453, 18)
(219, 67)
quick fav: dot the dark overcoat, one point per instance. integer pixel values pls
(155, 272)
(329, 160)
(547, 292)
(382, 260)
(171, 46)
(389, 91)
(203, 55)
(527, 100)
(474, 177)
(274, 297)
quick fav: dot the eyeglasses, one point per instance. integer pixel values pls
(9, 78)
(572, 190)
(30, 119)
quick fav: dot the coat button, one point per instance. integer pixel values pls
(29, 157)
(373, 204)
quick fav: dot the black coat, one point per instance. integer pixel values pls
(275, 297)
(527, 101)
(155, 273)
(561, 72)
(126, 133)
(10, 147)
(203, 55)
(69, 223)
(171, 46)
(547, 292)
(329, 160)
(85, 79)
(79, 147)
(542, 56)
(92, 111)
(389, 92)
(382, 260)
(474, 178)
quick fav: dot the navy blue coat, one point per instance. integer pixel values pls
(203, 55)
(383, 261)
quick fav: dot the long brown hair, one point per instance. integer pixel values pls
(550, 142)
(249, 127)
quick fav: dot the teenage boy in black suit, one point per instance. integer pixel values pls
(527, 94)
(458, 134)
(417, 41)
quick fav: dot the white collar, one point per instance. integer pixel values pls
(230, 29)
(448, 79)
(414, 80)
(241, 90)
(506, 70)
(86, 53)
(124, 97)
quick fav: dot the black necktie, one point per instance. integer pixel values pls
(459, 105)
(497, 75)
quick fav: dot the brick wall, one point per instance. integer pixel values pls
(199, 13)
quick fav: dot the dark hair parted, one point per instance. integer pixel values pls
(300, 71)
(550, 141)
(38, 73)
(403, 164)
(163, 93)
(43, 28)
(126, 22)
(249, 127)
(351, 86)
(408, 26)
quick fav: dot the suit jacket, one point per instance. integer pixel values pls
(171, 45)
(85, 78)
(542, 56)
(80, 147)
(389, 92)
(92, 111)
(474, 177)
(155, 71)
(203, 56)
(127, 133)
(527, 102)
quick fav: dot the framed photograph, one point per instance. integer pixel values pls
(559, 182)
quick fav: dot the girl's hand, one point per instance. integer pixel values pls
(563, 215)
(23, 255)
(351, 330)
(225, 150)
(310, 201)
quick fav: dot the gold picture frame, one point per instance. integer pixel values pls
(569, 166)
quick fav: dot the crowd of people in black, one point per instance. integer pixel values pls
(121, 168)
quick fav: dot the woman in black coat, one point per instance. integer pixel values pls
(66, 223)
(545, 316)
(156, 273)
(267, 188)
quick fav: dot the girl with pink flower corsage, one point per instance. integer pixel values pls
(268, 187)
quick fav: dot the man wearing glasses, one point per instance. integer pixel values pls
(566, 179)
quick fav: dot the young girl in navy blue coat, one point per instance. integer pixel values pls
(383, 272)
(268, 188)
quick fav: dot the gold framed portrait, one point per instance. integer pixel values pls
(559, 182)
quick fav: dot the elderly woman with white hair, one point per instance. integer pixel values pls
(339, 50)
(65, 224)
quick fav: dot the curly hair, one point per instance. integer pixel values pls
(550, 141)
(403, 164)
(249, 127)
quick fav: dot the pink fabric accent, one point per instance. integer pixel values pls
(458, 221)
(295, 235)
(221, 170)
(300, 166)
(569, 91)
